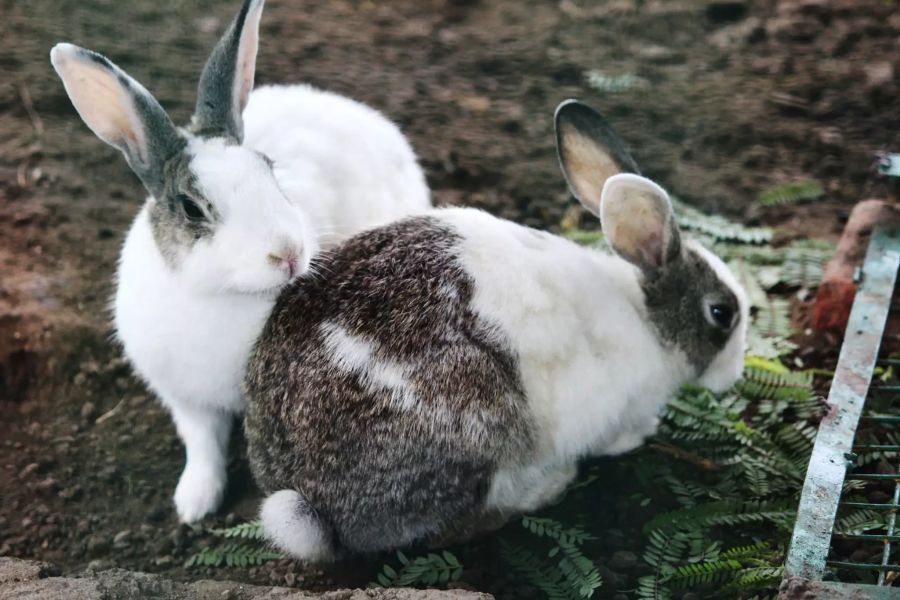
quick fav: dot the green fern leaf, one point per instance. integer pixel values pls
(791, 193)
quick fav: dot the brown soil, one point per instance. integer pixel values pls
(734, 97)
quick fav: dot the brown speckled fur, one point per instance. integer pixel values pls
(379, 476)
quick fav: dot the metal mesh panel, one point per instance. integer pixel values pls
(839, 474)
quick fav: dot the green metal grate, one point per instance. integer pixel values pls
(808, 571)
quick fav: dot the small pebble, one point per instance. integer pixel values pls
(100, 564)
(97, 544)
(28, 470)
(122, 539)
(163, 561)
(88, 410)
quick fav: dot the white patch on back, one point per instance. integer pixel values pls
(355, 355)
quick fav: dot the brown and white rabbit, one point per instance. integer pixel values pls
(240, 200)
(454, 366)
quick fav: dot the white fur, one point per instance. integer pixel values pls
(352, 354)
(187, 316)
(530, 487)
(595, 372)
(340, 167)
(593, 331)
(343, 162)
(291, 530)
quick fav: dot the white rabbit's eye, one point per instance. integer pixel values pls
(722, 315)
(191, 209)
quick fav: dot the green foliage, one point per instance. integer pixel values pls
(691, 575)
(859, 521)
(585, 236)
(804, 263)
(776, 388)
(723, 473)
(796, 265)
(430, 569)
(251, 530)
(758, 440)
(773, 319)
(886, 438)
(791, 193)
(555, 530)
(732, 465)
(566, 573)
(543, 575)
(232, 554)
(717, 227)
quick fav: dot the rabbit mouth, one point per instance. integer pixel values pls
(263, 293)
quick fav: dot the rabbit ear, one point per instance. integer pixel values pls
(119, 110)
(638, 222)
(227, 78)
(589, 152)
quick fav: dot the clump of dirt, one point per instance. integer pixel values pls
(724, 100)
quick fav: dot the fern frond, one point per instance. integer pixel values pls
(791, 193)
(232, 555)
(430, 569)
(651, 587)
(887, 438)
(717, 227)
(251, 530)
(803, 267)
(603, 82)
(753, 578)
(705, 573)
(765, 384)
(537, 572)
(859, 521)
(724, 513)
(578, 570)
(773, 319)
(757, 362)
(748, 551)
(555, 530)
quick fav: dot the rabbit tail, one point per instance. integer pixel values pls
(291, 525)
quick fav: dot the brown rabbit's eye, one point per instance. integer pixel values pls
(191, 209)
(722, 315)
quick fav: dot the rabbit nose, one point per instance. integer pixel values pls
(289, 257)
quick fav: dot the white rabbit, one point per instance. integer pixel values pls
(454, 367)
(240, 201)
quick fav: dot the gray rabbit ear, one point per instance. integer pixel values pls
(119, 111)
(589, 152)
(227, 78)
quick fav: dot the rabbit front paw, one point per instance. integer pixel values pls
(199, 493)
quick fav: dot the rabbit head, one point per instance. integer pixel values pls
(692, 299)
(216, 211)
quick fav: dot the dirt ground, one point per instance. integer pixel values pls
(731, 97)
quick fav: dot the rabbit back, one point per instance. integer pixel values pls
(347, 164)
(380, 396)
